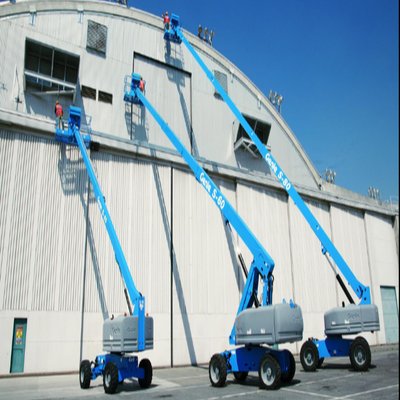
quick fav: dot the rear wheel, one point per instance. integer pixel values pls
(309, 356)
(217, 370)
(360, 354)
(148, 373)
(286, 377)
(269, 373)
(85, 374)
(110, 378)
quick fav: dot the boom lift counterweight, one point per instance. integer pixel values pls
(339, 321)
(254, 327)
(124, 334)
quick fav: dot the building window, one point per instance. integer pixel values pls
(96, 38)
(49, 69)
(223, 81)
(88, 92)
(105, 97)
(260, 128)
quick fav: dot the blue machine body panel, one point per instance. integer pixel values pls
(248, 358)
(127, 366)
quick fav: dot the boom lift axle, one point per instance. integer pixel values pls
(254, 327)
(339, 321)
(124, 334)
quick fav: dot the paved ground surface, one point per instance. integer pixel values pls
(335, 380)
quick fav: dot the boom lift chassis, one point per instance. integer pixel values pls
(124, 334)
(347, 320)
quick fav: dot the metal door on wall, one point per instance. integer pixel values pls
(390, 314)
(18, 345)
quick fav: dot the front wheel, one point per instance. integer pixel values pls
(148, 373)
(85, 374)
(360, 354)
(309, 356)
(217, 370)
(110, 378)
(269, 373)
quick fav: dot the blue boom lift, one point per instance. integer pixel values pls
(254, 327)
(346, 320)
(126, 333)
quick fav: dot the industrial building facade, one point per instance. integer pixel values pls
(58, 276)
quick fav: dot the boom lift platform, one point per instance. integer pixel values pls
(254, 328)
(123, 334)
(347, 320)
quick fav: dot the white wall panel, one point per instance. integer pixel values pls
(44, 225)
(206, 293)
(384, 261)
(349, 236)
(168, 90)
(265, 212)
(314, 281)
(138, 198)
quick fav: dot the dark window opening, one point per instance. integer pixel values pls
(105, 97)
(96, 38)
(88, 92)
(223, 81)
(260, 128)
(49, 69)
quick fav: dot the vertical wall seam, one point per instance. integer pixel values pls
(332, 239)
(5, 264)
(373, 294)
(32, 266)
(171, 256)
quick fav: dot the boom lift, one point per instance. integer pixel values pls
(126, 333)
(254, 327)
(347, 320)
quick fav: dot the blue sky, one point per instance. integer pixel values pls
(336, 63)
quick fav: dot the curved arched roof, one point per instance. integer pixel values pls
(108, 8)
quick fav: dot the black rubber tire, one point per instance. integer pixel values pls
(269, 373)
(85, 374)
(110, 378)
(240, 376)
(309, 356)
(287, 377)
(320, 362)
(148, 373)
(360, 354)
(217, 370)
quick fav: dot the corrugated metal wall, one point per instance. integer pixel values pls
(314, 281)
(43, 229)
(206, 289)
(181, 257)
(384, 261)
(42, 234)
(138, 198)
